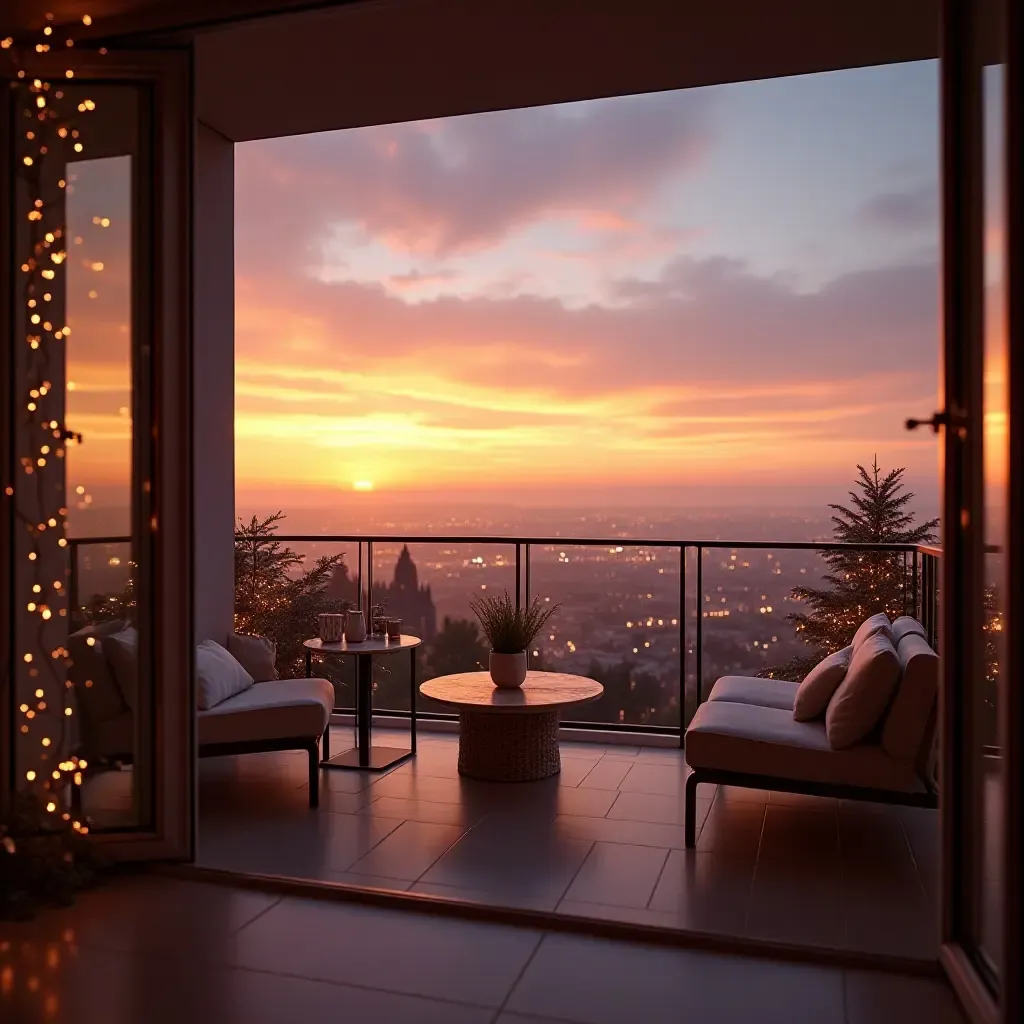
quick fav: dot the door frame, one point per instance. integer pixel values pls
(161, 315)
(964, 507)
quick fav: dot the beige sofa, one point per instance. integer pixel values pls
(745, 735)
(280, 714)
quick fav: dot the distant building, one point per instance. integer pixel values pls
(405, 598)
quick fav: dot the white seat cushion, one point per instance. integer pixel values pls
(766, 693)
(282, 709)
(767, 741)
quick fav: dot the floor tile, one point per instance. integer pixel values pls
(574, 770)
(606, 774)
(708, 892)
(663, 810)
(810, 803)
(409, 850)
(735, 828)
(873, 997)
(665, 780)
(796, 833)
(611, 830)
(618, 874)
(507, 858)
(121, 915)
(740, 794)
(103, 987)
(417, 954)
(797, 903)
(421, 810)
(595, 981)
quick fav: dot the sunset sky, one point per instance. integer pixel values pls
(709, 287)
(720, 294)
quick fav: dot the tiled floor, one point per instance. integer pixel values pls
(604, 839)
(165, 951)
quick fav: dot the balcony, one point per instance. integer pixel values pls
(604, 839)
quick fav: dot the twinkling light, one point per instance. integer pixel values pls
(42, 155)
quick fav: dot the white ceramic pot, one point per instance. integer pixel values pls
(355, 626)
(508, 671)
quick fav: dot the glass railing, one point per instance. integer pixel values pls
(656, 622)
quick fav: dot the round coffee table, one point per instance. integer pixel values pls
(510, 735)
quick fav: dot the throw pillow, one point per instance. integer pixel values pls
(869, 627)
(256, 654)
(218, 675)
(818, 686)
(96, 692)
(864, 694)
(122, 651)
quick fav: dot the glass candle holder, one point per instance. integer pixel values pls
(394, 627)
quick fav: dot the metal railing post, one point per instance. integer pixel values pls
(700, 625)
(529, 548)
(683, 709)
(369, 575)
(519, 557)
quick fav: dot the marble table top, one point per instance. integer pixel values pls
(542, 691)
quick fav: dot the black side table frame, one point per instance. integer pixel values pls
(364, 756)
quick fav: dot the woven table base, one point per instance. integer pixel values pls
(511, 747)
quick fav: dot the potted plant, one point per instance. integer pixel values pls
(510, 631)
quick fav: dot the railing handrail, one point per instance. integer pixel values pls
(511, 540)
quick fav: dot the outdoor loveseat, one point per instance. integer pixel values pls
(745, 735)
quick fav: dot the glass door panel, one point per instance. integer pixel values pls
(96, 474)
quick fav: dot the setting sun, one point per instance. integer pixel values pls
(362, 485)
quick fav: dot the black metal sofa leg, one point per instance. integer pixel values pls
(690, 811)
(314, 773)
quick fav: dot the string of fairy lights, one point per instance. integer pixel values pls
(48, 136)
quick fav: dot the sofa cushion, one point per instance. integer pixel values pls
(767, 693)
(122, 651)
(911, 713)
(218, 675)
(285, 709)
(864, 694)
(819, 685)
(96, 691)
(870, 627)
(768, 741)
(256, 654)
(906, 625)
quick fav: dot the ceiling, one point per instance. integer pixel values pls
(325, 65)
(397, 60)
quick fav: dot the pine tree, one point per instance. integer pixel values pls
(859, 583)
(275, 596)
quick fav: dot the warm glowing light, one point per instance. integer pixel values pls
(362, 485)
